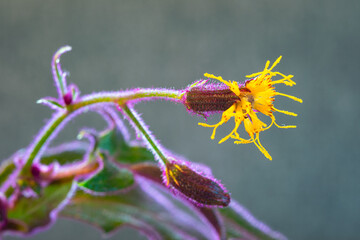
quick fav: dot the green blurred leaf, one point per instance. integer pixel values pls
(123, 152)
(110, 140)
(154, 212)
(109, 179)
(6, 168)
(64, 157)
(239, 223)
(34, 212)
(65, 153)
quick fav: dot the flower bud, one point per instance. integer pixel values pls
(68, 98)
(199, 189)
(208, 98)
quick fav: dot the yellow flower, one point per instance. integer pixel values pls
(255, 96)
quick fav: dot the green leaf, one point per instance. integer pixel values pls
(6, 168)
(150, 209)
(109, 179)
(113, 142)
(34, 212)
(239, 223)
(65, 153)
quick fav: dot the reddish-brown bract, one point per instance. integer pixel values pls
(207, 100)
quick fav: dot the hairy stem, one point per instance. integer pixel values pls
(40, 141)
(126, 96)
(140, 126)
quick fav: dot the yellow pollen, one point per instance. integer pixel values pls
(255, 96)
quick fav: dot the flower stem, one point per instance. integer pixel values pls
(59, 119)
(140, 126)
(123, 97)
(42, 138)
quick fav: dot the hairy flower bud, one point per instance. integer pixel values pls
(205, 99)
(68, 98)
(199, 189)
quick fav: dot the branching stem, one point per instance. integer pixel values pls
(116, 98)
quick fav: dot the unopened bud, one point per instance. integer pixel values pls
(201, 190)
(68, 98)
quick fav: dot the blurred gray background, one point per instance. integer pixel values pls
(311, 188)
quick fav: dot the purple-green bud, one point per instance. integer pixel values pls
(199, 189)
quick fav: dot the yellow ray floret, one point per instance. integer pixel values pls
(255, 96)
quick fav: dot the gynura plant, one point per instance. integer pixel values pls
(111, 180)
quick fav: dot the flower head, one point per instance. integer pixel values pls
(243, 101)
(199, 189)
